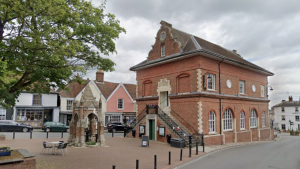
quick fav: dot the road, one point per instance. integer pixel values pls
(281, 154)
(38, 133)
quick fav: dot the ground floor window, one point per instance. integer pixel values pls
(2, 114)
(227, 120)
(282, 126)
(211, 122)
(112, 118)
(34, 117)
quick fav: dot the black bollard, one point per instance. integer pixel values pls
(155, 162)
(202, 139)
(203, 147)
(124, 132)
(114, 167)
(197, 148)
(14, 135)
(112, 133)
(137, 164)
(169, 157)
(62, 134)
(31, 135)
(47, 134)
(181, 155)
(190, 146)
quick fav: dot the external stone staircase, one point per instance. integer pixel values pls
(177, 128)
(172, 123)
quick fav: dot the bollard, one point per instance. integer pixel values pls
(124, 132)
(190, 146)
(47, 134)
(203, 147)
(202, 139)
(197, 148)
(112, 133)
(62, 134)
(181, 155)
(169, 157)
(14, 135)
(114, 167)
(155, 162)
(31, 135)
(137, 164)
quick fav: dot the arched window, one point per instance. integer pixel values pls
(253, 118)
(263, 119)
(147, 88)
(212, 122)
(227, 120)
(242, 120)
(183, 83)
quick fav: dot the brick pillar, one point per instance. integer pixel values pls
(234, 130)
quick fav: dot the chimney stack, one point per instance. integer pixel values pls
(283, 101)
(290, 98)
(99, 76)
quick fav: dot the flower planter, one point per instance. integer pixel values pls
(4, 152)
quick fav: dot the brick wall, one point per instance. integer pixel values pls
(243, 136)
(28, 163)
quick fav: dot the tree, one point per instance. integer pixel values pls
(43, 42)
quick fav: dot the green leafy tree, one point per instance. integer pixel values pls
(43, 42)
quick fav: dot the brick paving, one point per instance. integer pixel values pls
(121, 152)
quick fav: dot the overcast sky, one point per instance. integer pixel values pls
(266, 33)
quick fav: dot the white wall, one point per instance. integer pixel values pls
(289, 113)
(25, 99)
(56, 114)
(49, 100)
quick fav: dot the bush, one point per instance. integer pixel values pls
(297, 132)
(90, 143)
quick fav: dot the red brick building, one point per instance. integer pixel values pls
(205, 87)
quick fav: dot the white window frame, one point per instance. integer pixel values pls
(282, 117)
(35, 99)
(115, 118)
(263, 119)
(262, 89)
(253, 119)
(120, 104)
(212, 122)
(242, 120)
(282, 109)
(227, 120)
(69, 105)
(297, 119)
(163, 50)
(242, 87)
(211, 84)
(2, 113)
(296, 109)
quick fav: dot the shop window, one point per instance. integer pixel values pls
(2, 114)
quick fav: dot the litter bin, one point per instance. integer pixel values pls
(133, 133)
(169, 138)
(87, 135)
(96, 137)
(177, 142)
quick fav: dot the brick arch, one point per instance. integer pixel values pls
(212, 110)
(256, 112)
(183, 83)
(233, 113)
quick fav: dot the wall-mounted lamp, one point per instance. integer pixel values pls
(270, 88)
(208, 79)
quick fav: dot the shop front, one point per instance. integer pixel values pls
(35, 117)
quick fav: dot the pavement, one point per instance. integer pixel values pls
(119, 151)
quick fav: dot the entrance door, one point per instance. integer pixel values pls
(152, 130)
(164, 99)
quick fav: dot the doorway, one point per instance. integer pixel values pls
(152, 130)
(164, 99)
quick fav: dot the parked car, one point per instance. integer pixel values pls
(54, 126)
(117, 126)
(10, 125)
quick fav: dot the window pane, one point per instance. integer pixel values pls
(242, 87)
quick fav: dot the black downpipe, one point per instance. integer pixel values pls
(220, 101)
